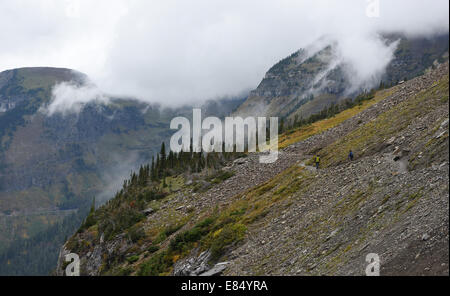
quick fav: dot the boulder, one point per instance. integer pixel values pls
(240, 161)
(148, 211)
(216, 270)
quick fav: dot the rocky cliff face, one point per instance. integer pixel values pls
(313, 78)
(288, 218)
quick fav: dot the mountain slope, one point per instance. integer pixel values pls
(314, 78)
(51, 166)
(287, 218)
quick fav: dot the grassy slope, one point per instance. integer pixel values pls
(322, 125)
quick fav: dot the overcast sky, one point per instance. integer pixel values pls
(179, 51)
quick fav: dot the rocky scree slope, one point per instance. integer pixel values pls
(287, 218)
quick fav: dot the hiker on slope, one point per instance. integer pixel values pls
(317, 160)
(350, 155)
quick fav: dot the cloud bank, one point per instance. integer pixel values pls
(71, 98)
(178, 52)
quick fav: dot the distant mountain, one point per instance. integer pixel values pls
(51, 166)
(315, 77)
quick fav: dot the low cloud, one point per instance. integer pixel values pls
(114, 176)
(364, 59)
(178, 52)
(68, 97)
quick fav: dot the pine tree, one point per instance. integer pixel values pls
(171, 159)
(281, 126)
(92, 210)
(163, 155)
(152, 172)
(164, 181)
(157, 168)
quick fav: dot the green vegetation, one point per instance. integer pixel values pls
(164, 234)
(152, 249)
(132, 259)
(155, 181)
(156, 265)
(228, 235)
(149, 184)
(214, 233)
(182, 241)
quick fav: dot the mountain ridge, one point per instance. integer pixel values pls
(309, 80)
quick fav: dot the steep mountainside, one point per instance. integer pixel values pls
(53, 165)
(287, 218)
(313, 78)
